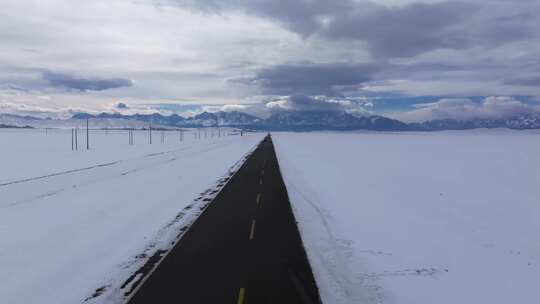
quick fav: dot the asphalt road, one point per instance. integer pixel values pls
(244, 248)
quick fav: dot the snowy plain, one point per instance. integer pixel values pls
(418, 218)
(74, 221)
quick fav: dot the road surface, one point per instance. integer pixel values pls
(244, 248)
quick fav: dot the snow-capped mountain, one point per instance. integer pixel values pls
(236, 118)
(205, 119)
(330, 120)
(17, 120)
(155, 118)
(521, 122)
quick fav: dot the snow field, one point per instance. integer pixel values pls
(412, 218)
(28, 153)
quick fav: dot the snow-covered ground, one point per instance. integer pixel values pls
(74, 221)
(29, 153)
(446, 217)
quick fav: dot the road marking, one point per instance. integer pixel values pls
(258, 199)
(252, 232)
(241, 295)
(260, 181)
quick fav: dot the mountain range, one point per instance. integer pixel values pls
(283, 120)
(518, 122)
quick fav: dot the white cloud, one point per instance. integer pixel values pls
(494, 107)
(358, 106)
(168, 52)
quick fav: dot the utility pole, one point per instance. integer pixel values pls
(150, 132)
(87, 136)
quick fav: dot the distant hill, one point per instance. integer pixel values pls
(3, 126)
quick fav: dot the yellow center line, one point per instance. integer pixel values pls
(241, 295)
(258, 199)
(252, 232)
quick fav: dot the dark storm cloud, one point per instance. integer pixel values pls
(84, 84)
(13, 87)
(121, 105)
(298, 15)
(398, 31)
(524, 81)
(311, 79)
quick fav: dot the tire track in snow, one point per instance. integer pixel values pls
(30, 179)
(38, 197)
(159, 163)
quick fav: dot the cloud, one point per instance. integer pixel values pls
(524, 81)
(233, 107)
(266, 47)
(494, 107)
(84, 84)
(12, 87)
(398, 30)
(121, 105)
(319, 104)
(310, 79)
(303, 103)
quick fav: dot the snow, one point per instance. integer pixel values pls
(412, 218)
(30, 153)
(74, 221)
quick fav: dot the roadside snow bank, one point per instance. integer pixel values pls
(447, 217)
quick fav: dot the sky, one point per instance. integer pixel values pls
(406, 59)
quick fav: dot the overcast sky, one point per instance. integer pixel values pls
(413, 60)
